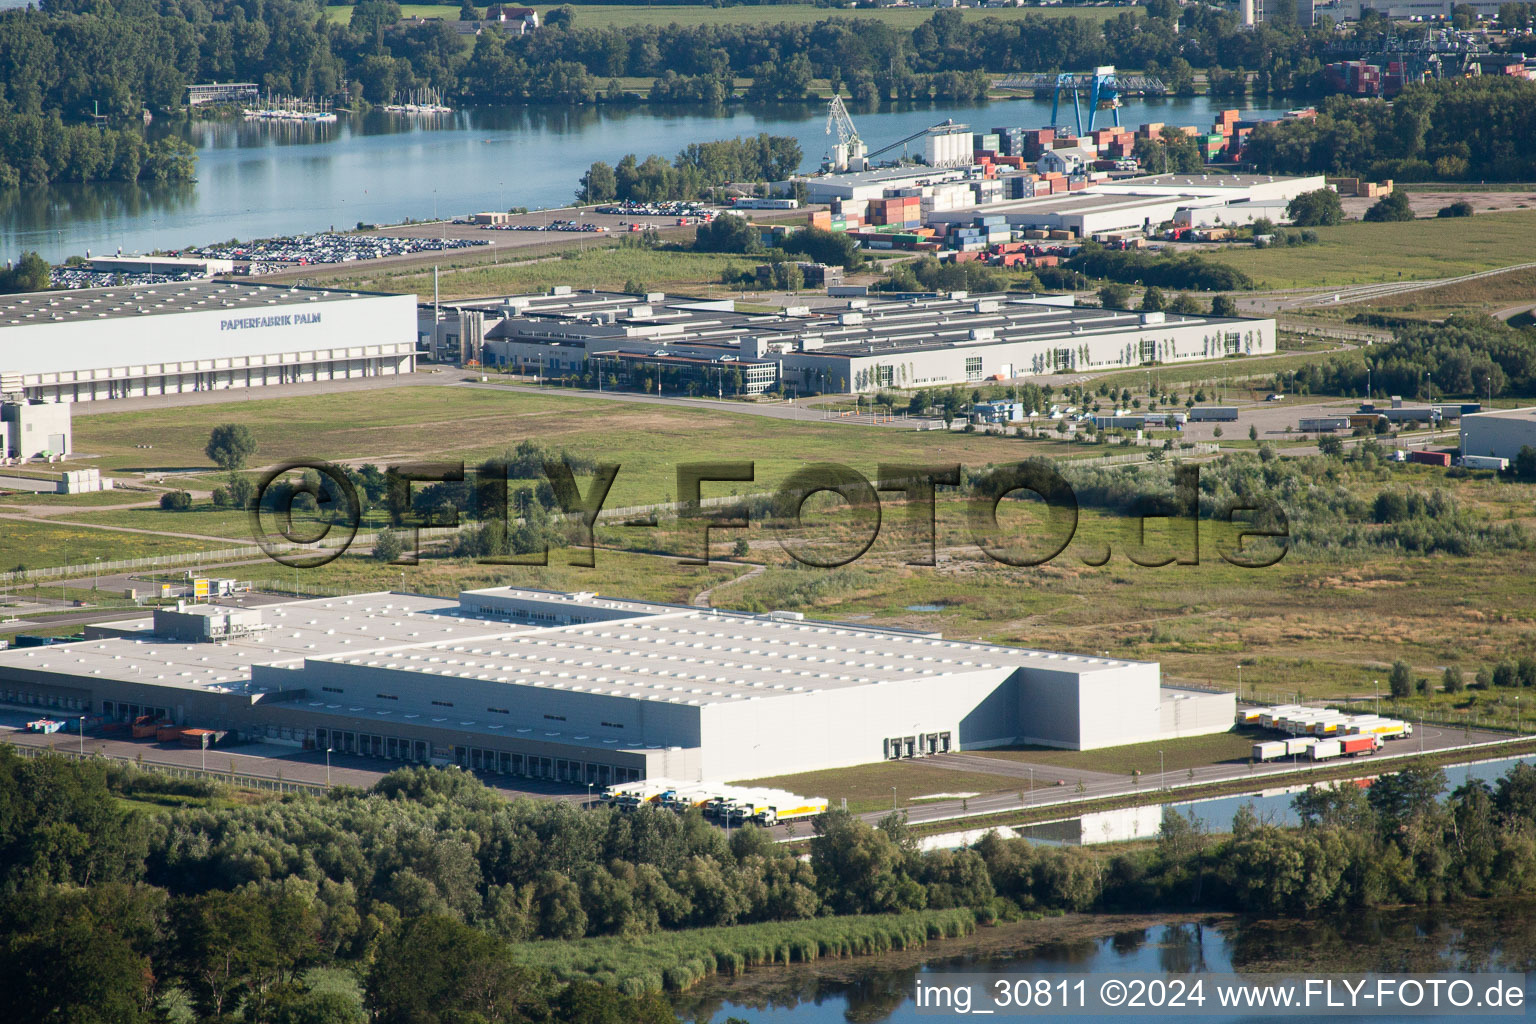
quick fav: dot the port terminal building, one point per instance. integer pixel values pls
(95, 344)
(580, 688)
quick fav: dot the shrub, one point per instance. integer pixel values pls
(175, 501)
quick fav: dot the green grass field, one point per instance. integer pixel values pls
(868, 787)
(1360, 253)
(648, 441)
(630, 15)
(36, 545)
(1177, 755)
(604, 267)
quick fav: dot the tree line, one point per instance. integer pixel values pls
(696, 169)
(1445, 130)
(420, 882)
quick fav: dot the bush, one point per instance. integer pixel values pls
(387, 546)
(1391, 207)
(175, 501)
(1320, 208)
(1457, 209)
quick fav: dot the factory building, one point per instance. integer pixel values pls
(857, 345)
(1500, 433)
(94, 344)
(581, 688)
(35, 430)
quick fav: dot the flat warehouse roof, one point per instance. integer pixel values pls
(88, 304)
(574, 642)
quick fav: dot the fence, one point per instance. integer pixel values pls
(186, 558)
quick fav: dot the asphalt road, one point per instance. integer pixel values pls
(1057, 786)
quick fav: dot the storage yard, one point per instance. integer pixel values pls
(1319, 734)
(572, 688)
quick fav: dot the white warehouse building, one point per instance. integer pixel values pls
(579, 688)
(1500, 433)
(93, 344)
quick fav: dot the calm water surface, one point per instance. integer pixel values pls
(1481, 938)
(266, 179)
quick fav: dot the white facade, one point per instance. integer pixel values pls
(528, 681)
(33, 430)
(1500, 434)
(105, 343)
(1068, 160)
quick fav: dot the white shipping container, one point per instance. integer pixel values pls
(1324, 749)
(1268, 751)
(1299, 745)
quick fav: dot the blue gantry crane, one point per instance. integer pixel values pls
(1104, 85)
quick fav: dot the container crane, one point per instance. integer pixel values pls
(848, 153)
(1105, 86)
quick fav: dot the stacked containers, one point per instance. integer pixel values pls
(1010, 141)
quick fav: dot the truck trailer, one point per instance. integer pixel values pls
(1322, 750)
(1354, 746)
(790, 811)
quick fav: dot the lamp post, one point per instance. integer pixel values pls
(328, 767)
(1376, 689)
(588, 804)
(1239, 679)
(1162, 778)
(1031, 785)
(893, 798)
(97, 584)
(82, 735)
(202, 749)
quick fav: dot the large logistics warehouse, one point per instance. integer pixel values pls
(860, 344)
(1500, 433)
(580, 688)
(93, 344)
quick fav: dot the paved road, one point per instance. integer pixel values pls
(1276, 302)
(266, 761)
(1100, 785)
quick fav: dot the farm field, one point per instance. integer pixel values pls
(631, 15)
(1410, 250)
(37, 544)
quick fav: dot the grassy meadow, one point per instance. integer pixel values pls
(1411, 250)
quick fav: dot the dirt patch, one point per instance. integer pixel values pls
(1427, 204)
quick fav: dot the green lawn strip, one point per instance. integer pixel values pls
(676, 960)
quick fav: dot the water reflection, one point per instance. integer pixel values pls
(261, 178)
(1472, 937)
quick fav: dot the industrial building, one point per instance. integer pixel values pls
(581, 688)
(94, 344)
(858, 345)
(1499, 433)
(35, 430)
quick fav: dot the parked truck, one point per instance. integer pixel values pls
(791, 811)
(1484, 462)
(1322, 750)
(1354, 746)
(1270, 751)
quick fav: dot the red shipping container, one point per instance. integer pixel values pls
(1442, 459)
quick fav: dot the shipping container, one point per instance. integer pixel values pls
(1484, 462)
(1324, 749)
(1299, 744)
(1268, 751)
(1213, 413)
(1428, 458)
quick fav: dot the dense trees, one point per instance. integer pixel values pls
(1447, 130)
(421, 883)
(699, 167)
(1185, 271)
(1468, 355)
(31, 273)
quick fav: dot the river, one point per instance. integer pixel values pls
(1489, 937)
(258, 180)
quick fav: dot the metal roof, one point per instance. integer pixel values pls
(90, 304)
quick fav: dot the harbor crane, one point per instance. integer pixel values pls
(848, 152)
(1105, 86)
